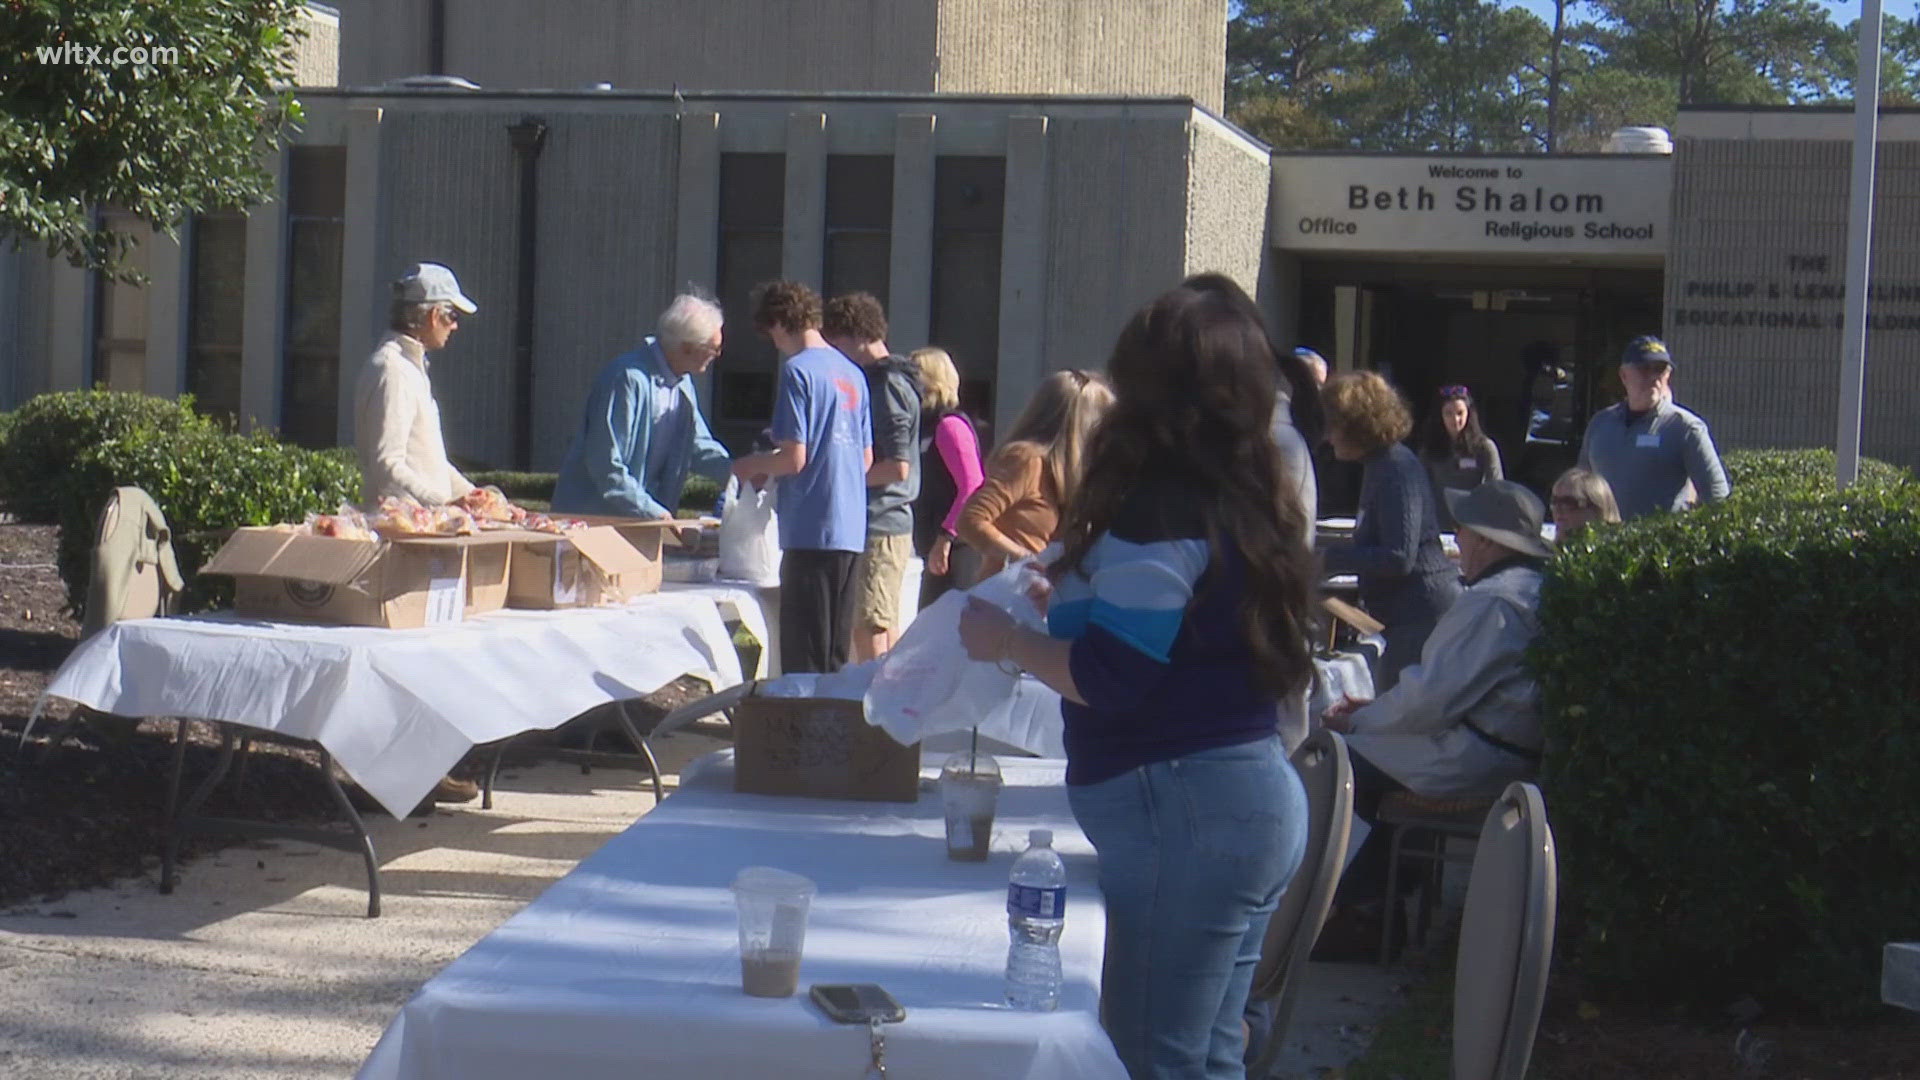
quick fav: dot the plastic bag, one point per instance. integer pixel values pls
(926, 685)
(749, 535)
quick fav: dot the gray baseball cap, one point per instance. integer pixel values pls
(430, 283)
(1503, 512)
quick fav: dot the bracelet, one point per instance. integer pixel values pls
(1006, 647)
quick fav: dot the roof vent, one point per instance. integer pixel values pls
(1639, 140)
(432, 82)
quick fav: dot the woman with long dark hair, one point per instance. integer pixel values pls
(1456, 450)
(1177, 619)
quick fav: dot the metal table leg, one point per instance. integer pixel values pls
(189, 820)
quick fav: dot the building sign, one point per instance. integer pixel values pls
(1472, 205)
(1800, 292)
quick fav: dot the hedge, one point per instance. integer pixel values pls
(207, 482)
(48, 433)
(1769, 475)
(1730, 701)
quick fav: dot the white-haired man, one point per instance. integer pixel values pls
(643, 432)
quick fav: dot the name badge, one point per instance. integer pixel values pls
(1648, 439)
(1469, 463)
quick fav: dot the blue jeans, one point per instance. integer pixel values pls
(1193, 855)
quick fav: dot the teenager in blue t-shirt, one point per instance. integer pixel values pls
(823, 447)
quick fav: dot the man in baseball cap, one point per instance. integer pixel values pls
(1463, 722)
(431, 283)
(1652, 452)
(396, 423)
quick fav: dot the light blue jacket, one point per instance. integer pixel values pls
(605, 471)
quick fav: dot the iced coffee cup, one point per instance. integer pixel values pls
(773, 929)
(969, 788)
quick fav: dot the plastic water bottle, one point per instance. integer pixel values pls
(1036, 909)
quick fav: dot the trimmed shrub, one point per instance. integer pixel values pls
(700, 494)
(208, 483)
(1732, 736)
(519, 487)
(1769, 475)
(50, 431)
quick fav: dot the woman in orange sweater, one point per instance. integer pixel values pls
(1033, 474)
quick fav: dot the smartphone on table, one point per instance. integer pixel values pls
(857, 1003)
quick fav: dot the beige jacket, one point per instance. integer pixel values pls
(397, 429)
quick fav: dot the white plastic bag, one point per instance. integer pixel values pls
(926, 685)
(749, 535)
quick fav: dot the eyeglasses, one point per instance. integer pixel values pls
(1570, 502)
(1455, 391)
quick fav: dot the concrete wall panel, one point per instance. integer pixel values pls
(1754, 279)
(451, 190)
(1227, 183)
(1144, 47)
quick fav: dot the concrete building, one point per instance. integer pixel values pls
(1146, 48)
(1757, 273)
(995, 213)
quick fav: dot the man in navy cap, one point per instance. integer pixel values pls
(1647, 448)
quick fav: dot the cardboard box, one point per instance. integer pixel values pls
(488, 561)
(583, 568)
(649, 538)
(819, 748)
(298, 578)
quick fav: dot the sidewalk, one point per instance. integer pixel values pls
(262, 963)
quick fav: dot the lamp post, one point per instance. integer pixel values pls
(1853, 332)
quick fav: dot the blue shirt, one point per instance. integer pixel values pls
(822, 404)
(1158, 650)
(641, 434)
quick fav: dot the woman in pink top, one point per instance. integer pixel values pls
(950, 470)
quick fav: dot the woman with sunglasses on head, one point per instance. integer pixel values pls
(1178, 618)
(1455, 450)
(1580, 498)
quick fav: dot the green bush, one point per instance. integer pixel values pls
(49, 432)
(519, 487)
(699, 494)
(1732, 736)
(1770, 475)
(208, 483)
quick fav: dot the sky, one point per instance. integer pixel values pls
(1843, 13)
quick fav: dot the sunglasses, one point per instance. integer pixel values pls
(1455, 391)
(1569, 502)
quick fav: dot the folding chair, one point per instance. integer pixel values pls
(1327, 774)
(1441, 819)
(1506, 940)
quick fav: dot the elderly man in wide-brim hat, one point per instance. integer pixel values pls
(1465, 720)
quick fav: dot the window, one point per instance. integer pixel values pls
(216, 301)
(120, 313)
(310, 351)
(859, 225)
(969, 202)
(753, 203)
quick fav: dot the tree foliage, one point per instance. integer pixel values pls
(159, 109)
(1481, 76)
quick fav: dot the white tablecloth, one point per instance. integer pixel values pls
(739, 600)
(397, 708)
(629, 967)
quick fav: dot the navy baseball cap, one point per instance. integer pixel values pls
(1647, 349)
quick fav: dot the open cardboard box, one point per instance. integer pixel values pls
(648, 538)
(582, 568)
(820, 748)
(420, 581)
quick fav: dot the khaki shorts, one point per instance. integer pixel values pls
(876, 603)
